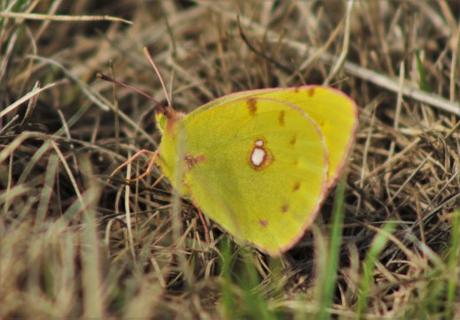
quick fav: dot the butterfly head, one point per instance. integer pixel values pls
(166, 117)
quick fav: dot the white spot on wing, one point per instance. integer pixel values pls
(258, 155)
(259, 143)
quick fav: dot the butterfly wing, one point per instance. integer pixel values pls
(334, 112)
(256, 166)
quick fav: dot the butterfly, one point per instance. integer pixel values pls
(260, 162)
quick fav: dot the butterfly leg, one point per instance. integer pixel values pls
(157, 181)
(205, 226)
(134, 157)
(153, 157)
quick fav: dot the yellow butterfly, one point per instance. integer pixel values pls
(260, 162)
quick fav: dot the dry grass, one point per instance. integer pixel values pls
(74, 243)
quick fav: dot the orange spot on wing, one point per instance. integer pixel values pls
(252, 106)
(296, 186)
(311, 92)
(191, 160)
(281, 116)
(263, 223)
(285, 208)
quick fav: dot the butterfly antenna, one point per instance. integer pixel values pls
(157, 71)
(127, 86)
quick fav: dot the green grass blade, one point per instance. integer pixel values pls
(255, 304)
(228, 299)
(330, 274)
(377, 246)
(453, 264)
(423, 84)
